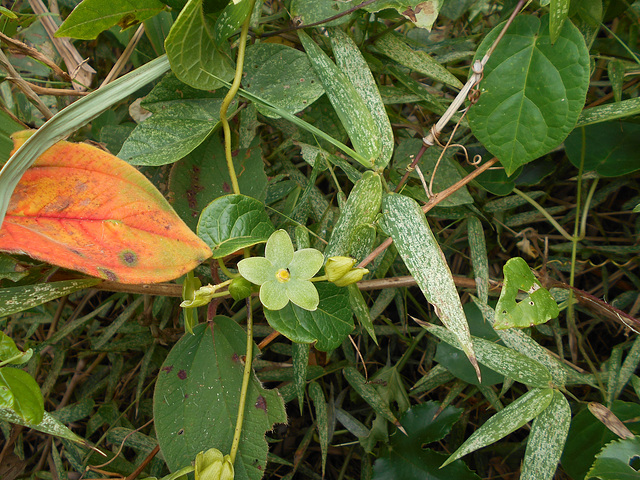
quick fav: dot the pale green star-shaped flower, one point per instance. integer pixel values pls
(283, 275)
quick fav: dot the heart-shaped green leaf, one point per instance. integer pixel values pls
(233, 222)
(196, 400)
(328, 325)
(533, 91)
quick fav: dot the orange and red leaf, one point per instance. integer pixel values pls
(81, 208)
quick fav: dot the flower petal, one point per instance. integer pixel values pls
(257, 270)
(273, 295)
(305, 263)
(303, 293)
(279, 249)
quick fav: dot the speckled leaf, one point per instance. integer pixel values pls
(81, 208)
(322, 421)
(559, 11)
(394, 47)
(192, 50)
(327, 326)
(610, 111)
(479, 257)
(17, 299)
(48, 425)
(406, 224)
(508, 420)
(532, 91)
(202, 176)
(282, 76)
(91, 17)
(362, 207)
(231, 19)
(546, 440)
(348, 104)
(310, 11)
(350, 60)
(610, 148)
(233, 222)
(501, 359)
(182, 118)
(195, 403)
(537, 307)
(300, 359)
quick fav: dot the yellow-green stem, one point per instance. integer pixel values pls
(9, 360)
(546, 214)
(245, 383)
(235, 86)
(236, 189)
(225, 270)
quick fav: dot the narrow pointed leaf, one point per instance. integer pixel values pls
(361, 208)
(479, 257)
(503, 360)
(196, 400)
(354, 114)
(394, 47)
(48, 424)
(610, 111)
(559, 12)
(406, 224)
(300, 360)
(81, 208)
(532, 91)
(350, 60)
(546, 440)
(18, 299)
(322, 420)
(505, 421)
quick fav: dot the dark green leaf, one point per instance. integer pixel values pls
(328, 325)
(91, 17)
(532, 91)
(17, 299)
(196, 400)
(614, 461)
(233, 222)
(610, 148)
(409, 460)
(192, 50)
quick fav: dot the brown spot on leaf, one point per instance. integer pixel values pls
(129, 258)
(128, 21)
(225, 187)
(167, 369)
(182, 375)
(261, 403)
(109, 274)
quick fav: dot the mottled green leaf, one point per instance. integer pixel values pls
(610, 111)
(532, 91)
(546, 440)
(512, 417)
(369, 394)
(322, 420)
(559, 12)
(48, 425)
(406, 224)
(17, 299)
(311, 11)
(394, 47)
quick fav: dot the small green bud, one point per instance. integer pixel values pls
(352, 276)
(240, 288)
(337, 267)
(212, 465)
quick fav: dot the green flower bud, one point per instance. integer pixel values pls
(337, 267)
(352, 276)
(240, 288)
(212, 465)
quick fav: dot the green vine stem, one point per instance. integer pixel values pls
(546, 214)
(235, 86)
(245, 383)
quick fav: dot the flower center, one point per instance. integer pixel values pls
(283, 275)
